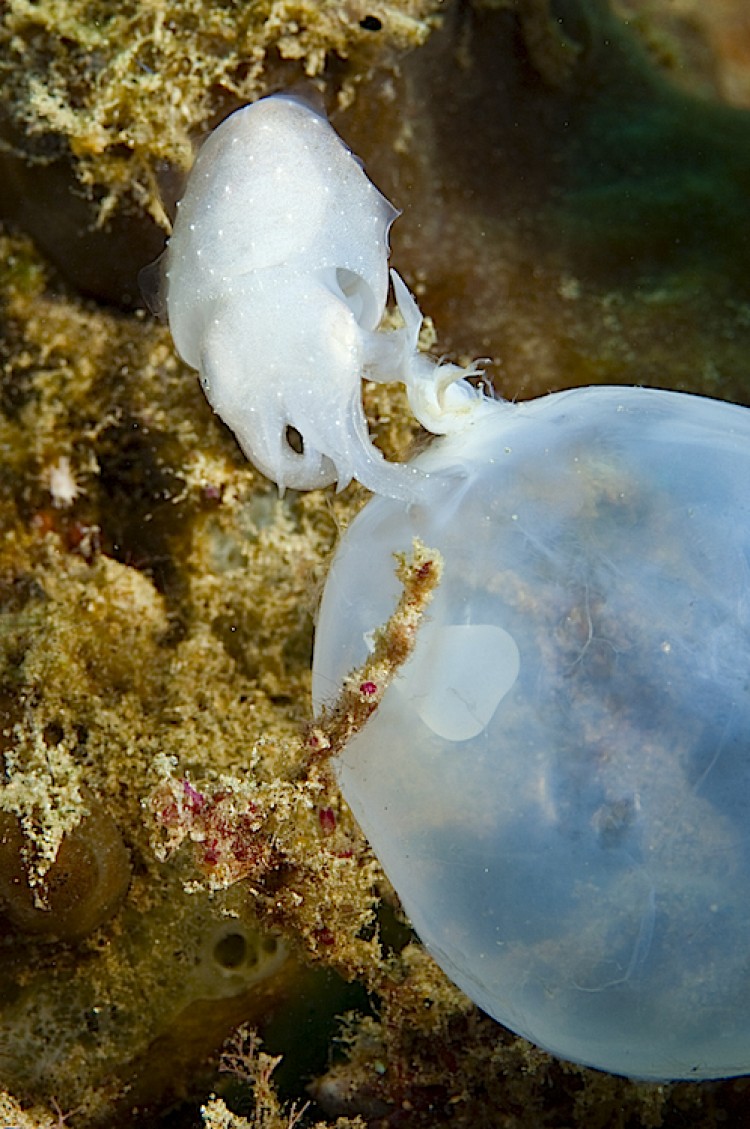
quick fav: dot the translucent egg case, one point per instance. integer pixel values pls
(558, 782)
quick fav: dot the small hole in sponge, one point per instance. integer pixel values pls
(294, 440)
(371, 23)
(231, 950)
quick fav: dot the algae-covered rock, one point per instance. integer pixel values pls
(126, 88)
(103, 104)
(155, 610)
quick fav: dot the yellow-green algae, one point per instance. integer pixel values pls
(157, 597)
(103, 103)
(127, 86)
(136, 645)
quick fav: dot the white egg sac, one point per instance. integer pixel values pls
(558, 781)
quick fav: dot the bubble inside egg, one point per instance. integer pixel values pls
(557, 782)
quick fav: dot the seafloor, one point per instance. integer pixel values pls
(177, 871)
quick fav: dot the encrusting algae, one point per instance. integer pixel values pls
(174, 856)
(124, 88)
